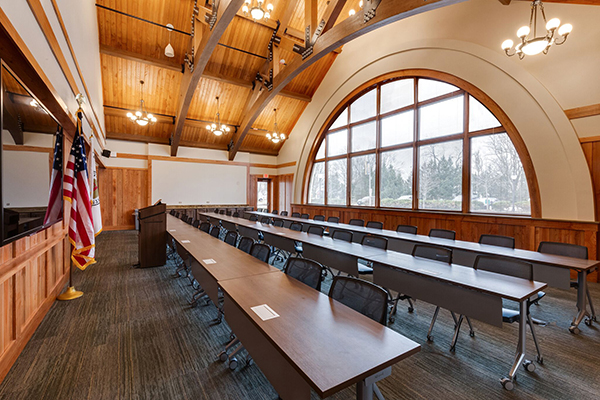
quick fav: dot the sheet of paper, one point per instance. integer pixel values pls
(264, 312)
(172, 230)
(209, 261)
(428, 271)
(185, 241)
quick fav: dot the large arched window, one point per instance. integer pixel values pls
(417, 141)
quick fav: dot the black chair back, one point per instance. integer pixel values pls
(436, 253)
(357, 222)
(215, 231)
(296, 226)
(265, 220)
(172, 212)
(306, 271)
(204, 227)
(305, 216)
(342, 235)
(374, 241)
(319, 218)
(498, 240)
(228, 213)
(375, 225)
(362, 296)
(253, 217)
(564, 249)
(277, 222)
(442, 233)
(505, 266)
(334, 220)
(196, 223)
(284, 213)
(407, 229)
(231, 238)
(315, 230)
(236, 214)
(222, 212)
(275, 212)
(296, 214)
(246, 244)
(261, 252)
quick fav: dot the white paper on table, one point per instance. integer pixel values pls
(185, 241)
(264, 312)
(172, 230)
(428, 271)
(209, 261)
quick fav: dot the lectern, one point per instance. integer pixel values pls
(152, 236)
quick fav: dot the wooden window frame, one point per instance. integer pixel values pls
(465, 89)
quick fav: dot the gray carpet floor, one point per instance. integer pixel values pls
(134, 336)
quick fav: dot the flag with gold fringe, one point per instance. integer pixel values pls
(96, 212)
(76, 190)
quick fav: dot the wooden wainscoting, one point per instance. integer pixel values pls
(122, 190)
(33, 271)
(528, 232)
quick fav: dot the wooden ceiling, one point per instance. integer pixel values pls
(133, 50)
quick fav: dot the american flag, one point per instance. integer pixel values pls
(77, 191)
(55, 202)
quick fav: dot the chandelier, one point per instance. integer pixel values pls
(537, 44)
(256, 11)
(218, 129)
(276, 137)
(141, 116)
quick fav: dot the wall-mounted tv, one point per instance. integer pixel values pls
(28, 139)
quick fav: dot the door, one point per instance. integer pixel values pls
(262, 194)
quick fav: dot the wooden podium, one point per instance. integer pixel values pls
(152, 236)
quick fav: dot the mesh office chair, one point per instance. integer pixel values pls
(196, 223)
(498, 240)
(275, 212)
(407, 229)
(375, 225)
(215, 231)
(265, 220)
(172, 212)
(306, 271)
(315, 230)
(231, 238)
(305, 216)
(245, 244)
(261, 252)
(296, 214)
(357, 222)
(222, 212)
(204, 227)
(236, 214)
(277, 222)
(575, 251)
(444, 255)
(228, 213)
(216, 210)
(364, 268)
(296, 226)
(342, 235)
(253, 217)
(284, 213)
(319, 218)
(335, 220)
(442, 233)
(519, 269)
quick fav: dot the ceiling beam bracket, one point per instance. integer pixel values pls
(370, 9)
(211, 19)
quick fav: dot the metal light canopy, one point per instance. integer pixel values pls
(256, 11)
(537, 44)
(218, 129)
(141, 116)
(276, 137)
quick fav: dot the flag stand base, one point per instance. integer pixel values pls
(70, 294)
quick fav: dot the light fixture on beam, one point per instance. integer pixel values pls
(276, 137)
(256, 11)
(537, 44)
(169, 51)
(217, 128)
(352, 11)
(141, 116)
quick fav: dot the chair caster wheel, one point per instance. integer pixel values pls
(233, 364)
(529, 365)
(232, 337)
(472, 333)
(540, 360)
(249, 362)
(507, 384)
(411, 309)
(429, 338)
(574, 330)
(588, 321)
(223, 356)
(452, 349)
(392, 320)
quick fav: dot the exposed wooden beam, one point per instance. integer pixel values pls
(386, 13)
(582, 112)
(133, 56)
(331, 14)
(311, 7)
(580, 2)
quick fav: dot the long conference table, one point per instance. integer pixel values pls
(552, 269)
(474, 293)
(313, 342)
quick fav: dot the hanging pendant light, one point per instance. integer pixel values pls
(537, 44)
(169, 51)
(141, 116)
(276, 137)
(256, 11)
(217, 128)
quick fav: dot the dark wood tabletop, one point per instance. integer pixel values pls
(520, 254)
(329, 344)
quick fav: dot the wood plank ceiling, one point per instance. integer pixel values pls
(133, 50)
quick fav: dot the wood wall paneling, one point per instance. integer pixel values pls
(122, 190)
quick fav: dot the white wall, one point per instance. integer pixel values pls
(464, 40)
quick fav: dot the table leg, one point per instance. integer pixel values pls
(367, 387)
(508, 382)
(581, 302)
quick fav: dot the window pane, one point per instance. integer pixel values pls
(396, 178)
(440, 176)
(397, 128)
(338, 143)
(364, 107)
(498, 182)
(321, 151)
(428, 89)
(316, 192)
(362, 184)
(480, 117)
(441, 118)
(336, 181)
(341, 120)
(397, 94)
(363, 136)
